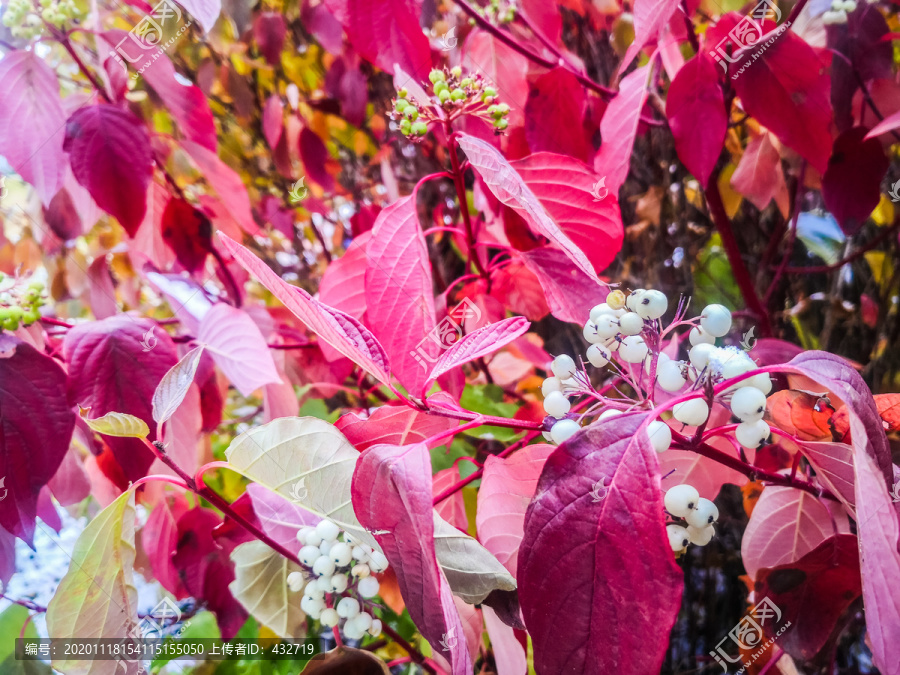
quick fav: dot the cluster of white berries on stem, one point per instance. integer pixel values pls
(339, 583)
(697, 517)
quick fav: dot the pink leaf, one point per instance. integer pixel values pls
(31, 121)
(115, 366)
(159, 538)
(509, 187)
(341, 331)
(786, 524)
(399, 285)
(453, 508)
(70, 483)
(851, 187)
(279, 517)
(695, 107)
(36, 427)
(787, 90)
(833, 463)
(238, 348)
(273, 120)
(759, 176)
(343, 285)
(554, 115)
(225, 181)
(650, 17)
(392, 491)
(205, 11)
(269, 31)
(484, 341)
(568, 190)
(502, 66)
(110, 153)
(181, 435)
(889, 123)
(606, 560)
(509, 655)
(507, 487)
(392, 425)
(619, 127)
(386, 32)
(315, 157)
(570, 293)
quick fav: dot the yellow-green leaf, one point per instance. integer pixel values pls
(117, 424)
(260, 585)
(97, 597)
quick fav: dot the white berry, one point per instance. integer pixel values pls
(303, 533)
(352, 631)
(604, 308)
(762, 382)
(338, 583)
(705, 513)
(556, 404)
(309, 554)
(590, 332)
(314, 539)
(550, 384)
(652, 305)
(748, 404)
(631, 302)
(327, 530)
(323, 566)
(678, 537)
(751, 434)
(361, 570)
(377, 562)
(700, 536)
(563, 430)
(375, 628)
(607, 326)
(347, 608)
(312, 606)
(598, 355)
(368, 587)
(325, 547)
(606, 414)
(295, 581)
(693, 412)
(633, 349)
(631, 324)
(359, 553)
(698, 336)
(341, 554)
(661, 358)
(669, 376)
(660, 435)
(563, 366)
(329, 617)
(362, 621)
(680, 500)
(313, 589)
(699, 355)
(716, 320)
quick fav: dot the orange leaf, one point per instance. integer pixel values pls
(804, 415)
(888, 406)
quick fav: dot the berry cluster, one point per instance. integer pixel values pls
(19, 303)
(339, 569)
(23, 21)
(454, 95)
(698, 515)
(498, 11)
(838, 12)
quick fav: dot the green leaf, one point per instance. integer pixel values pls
(203, 625)
(97, 597)
(117, 424)
(713, 278)
(12, 621)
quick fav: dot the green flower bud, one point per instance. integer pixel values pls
(456, 71)
(419, 128)
(501, 124)
(11, 324)
(436, 76)
(411, 112)
(502, 109)
(405, 126)
(402, 93)
(466, 82)
(493, 111)
(4, 313)
(31, 316)
(457, 94)
(440, 86)
(490, 91)
(444, 96)
(400, 105)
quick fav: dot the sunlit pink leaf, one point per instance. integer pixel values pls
(279, 517)
(343, 285)
(393, 425)
(181, 435)
(833, 463)
(273, 120)
(570, 293)
(502, 66)
(70, 483)
(599, 551)
(386, 32)
(509, 655)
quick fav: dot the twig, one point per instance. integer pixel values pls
(414, 653)
(850, 258)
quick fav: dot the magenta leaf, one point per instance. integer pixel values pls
(393, 425)
(619, 128)
(851, 187)
(343, 332)
(399, 288)
(36, 427)
(506, 490)
(269, 31)
(578, 201)
(787, 90)
(31, 121)
(650, 17)
(188, 232)
(109, 149)
(387, 32)
(509, 187)
(225, 181)
(343, 285)
(273, 120)
(481, 342)
(501, 65)
(595, 547)
(115, 365)
(238, 348)
(695, 107)
(159, 538)
(279, 518)
(812, 593)
(315, 157)
(554, 114)
(569, 291)
(392, 493)
(886, 125)
(833, 463)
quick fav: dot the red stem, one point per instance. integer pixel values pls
(227, 277)
(56, 322)
(460, 185)
(414, 653)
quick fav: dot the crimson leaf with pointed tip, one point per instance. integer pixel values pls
(695, 107)
(554, 113)
(486, 340)
(387, 32)
(269, 31)
(851, 187)
(187, 232)
(606, 561)
(569, 292)
(343, 332)
(399, 290)
(36, 424)
(392, 494)
(787, 90)
(566, 188)
(650, 17)
(109, 149)
(225, 181)
(115, 365)
(509, 187)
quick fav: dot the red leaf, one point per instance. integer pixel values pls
(62, 217)
(606, 561)
(187, 232)
(341, 331)
(109, 149)
(509, 187)
(36, 427)
(280, 518)
(851, 187)
(269, 31)
(392, 491)
(501, 65)
(484, 341)
(759, 176)
(650, 17)
(566, 188)
(695, 107)
(812, 593)
(315, 158)
(31, 121)
(225, 181)
(273, 120)
(111, 369)
(343, 285)
(554, 113)
(399, 285)
(518, 289)
(545, 17)
(159, 538)
(787, 90)
(619, 128)
(569, 292)
(387, 32)
(392, 425)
